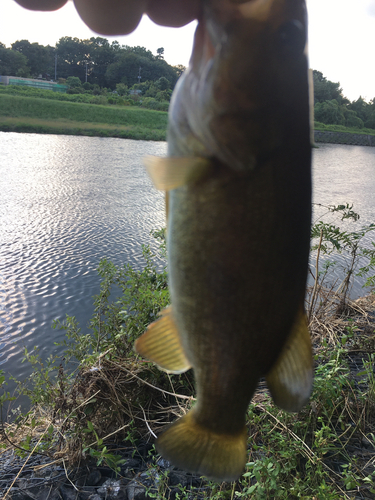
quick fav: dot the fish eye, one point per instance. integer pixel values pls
(292, 36)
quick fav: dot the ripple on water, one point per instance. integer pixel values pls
(66, 203)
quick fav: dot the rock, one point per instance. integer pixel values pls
(165, 464)
(94, 478)
(112, 489)
(91, 479)
(177, 477)
(68, 493)
(136, 491)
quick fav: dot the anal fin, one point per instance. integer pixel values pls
(290, 378)
(161, 344)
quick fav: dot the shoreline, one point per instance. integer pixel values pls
(27, 125)
(333, 137)
(72, 127)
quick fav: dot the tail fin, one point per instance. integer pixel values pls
(190, 446)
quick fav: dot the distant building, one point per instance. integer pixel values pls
(30, 82)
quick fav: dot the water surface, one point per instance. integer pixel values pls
(66, 202)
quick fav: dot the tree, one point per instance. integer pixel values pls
(128, 60)
(73, 81)
(360, 107)
(72, 56)
(40, 59)
(351, 119)
(329, 112)
(325, 90)
(162, 83)
(99, 55)
(370, 122)
(13, 63)
(160, 53)
(122, 89)
(179, 68)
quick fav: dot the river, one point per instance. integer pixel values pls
(68, 201)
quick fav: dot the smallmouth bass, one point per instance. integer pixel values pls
(238, 184)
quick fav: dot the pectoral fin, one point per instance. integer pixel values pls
(172, 172)
(161, 344)
(290, 379)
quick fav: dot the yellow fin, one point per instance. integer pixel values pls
(290, 379)
(172, 172)
(190, 446)
(161, 344)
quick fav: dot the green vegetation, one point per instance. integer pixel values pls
(95, 61)
(114, 393)
(342, 128)
(131, 74)
(44, 115)
(332, 108)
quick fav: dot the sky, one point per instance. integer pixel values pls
(341, 38)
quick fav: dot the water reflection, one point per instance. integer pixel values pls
(66, 203)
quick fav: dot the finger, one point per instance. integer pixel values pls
(42, 4)
(111, 17)
(173, 13)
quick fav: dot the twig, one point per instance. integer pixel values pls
(158, 388)
(148, 427)
(67, 476)
(316, 276)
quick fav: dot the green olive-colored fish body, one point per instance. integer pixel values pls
(238, 180)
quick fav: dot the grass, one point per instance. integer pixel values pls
(340, 128)
(33, 114)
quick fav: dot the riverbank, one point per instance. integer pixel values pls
(36, 115)
(350, 138)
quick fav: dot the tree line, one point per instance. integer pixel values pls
(95, 65)
(331, 107)
(94, 61)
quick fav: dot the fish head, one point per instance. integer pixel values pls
(245, 92)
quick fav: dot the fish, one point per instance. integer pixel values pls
(238, 180)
